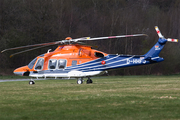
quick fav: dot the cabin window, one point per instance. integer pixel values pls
(52, 63)
(74, 62)
(39, 64)
(61, 64)
(31, 64)
(98, 54)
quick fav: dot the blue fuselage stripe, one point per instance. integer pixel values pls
(112, 62)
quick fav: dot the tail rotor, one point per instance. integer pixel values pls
(161, 36)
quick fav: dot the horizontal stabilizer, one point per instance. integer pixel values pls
(155, 59)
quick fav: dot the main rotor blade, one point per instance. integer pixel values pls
(27, 50)
(82, 38)
(42, 44)
(121, 36)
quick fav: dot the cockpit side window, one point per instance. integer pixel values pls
(31, 64)
(61, 64)
(98, 54)
(39, 64)
(52, 63)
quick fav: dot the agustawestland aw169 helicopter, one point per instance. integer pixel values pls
(72, 60)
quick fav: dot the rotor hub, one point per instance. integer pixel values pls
(68, 38)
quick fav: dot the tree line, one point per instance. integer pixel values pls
(25, 22)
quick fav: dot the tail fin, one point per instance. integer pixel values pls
(156, 49)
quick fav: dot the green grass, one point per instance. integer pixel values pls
(115, 98)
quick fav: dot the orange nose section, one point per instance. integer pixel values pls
(22, 71)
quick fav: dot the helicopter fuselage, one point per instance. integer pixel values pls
(78, 61)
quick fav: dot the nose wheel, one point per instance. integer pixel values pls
(31, 82)
(80, 81)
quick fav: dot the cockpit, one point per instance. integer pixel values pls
(39, 64)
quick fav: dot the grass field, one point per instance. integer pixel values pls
(115, 98)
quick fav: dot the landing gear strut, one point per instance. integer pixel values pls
(89, 81)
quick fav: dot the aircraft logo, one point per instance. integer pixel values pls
(157, 47)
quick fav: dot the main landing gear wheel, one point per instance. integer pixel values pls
(89, 81)
(31, 82)
(80, 81)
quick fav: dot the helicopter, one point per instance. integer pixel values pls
(73, 60)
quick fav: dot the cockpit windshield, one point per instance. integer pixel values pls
(39, 64)
(31, 64)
